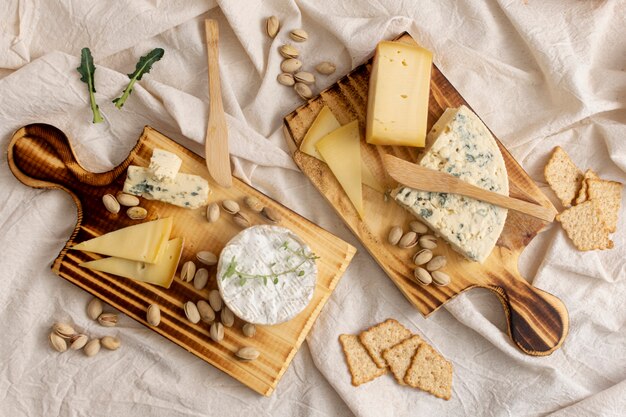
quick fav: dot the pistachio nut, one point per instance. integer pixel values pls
(137, 213)
(272, 26)
(271, 214)
(110, 342)
(153, 315)
(395, 234)
(304, 77)
(299, 35)
(436, 263)
(422, 256)
(418, 227)
(247, 353)
(249, 330)
(191, 311)
(110, 203)
(422, 276)
(441, 278)
(290, 65)
(78, 341)
(212, 212)
(217, 332)
(325, 68)
(92, 347)
(94, 308)
(207, 315)
(215, 300)
(254, 203)
(187, 271)
(57, 342)
(201, 278)
(230, 206)
(227, 317)
(428, 242)
(108, 319)
(127, 200)
(303, 90)
(408, 240)
(206, 258)
(63, 330)
(289, 51)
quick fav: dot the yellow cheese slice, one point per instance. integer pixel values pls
(161, 273)
(325, 123)
(341, 150)
(397, 103)
(141, 242)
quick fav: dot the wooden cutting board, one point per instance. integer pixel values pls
(41, 156)
(537, 321)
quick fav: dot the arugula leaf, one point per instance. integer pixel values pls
(143, 67)
(87, 71)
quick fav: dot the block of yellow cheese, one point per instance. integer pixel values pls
(397, 103)
(141, 242)
(341, 150)
(325, 123)
(161, 273)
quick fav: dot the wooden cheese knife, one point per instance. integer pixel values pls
(216, 142)
(426, 179)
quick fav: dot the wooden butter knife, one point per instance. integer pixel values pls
(426, 179)
(216, 141)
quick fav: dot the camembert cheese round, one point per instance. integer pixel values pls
(266, 275)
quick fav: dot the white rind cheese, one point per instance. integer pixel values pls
(164, 165)
(266, 250)
(461, 145)
(185, 190)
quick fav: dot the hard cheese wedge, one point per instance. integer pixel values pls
(397, 103)
(161, 273)
(141, 242)
(341, 150)
(325, 123)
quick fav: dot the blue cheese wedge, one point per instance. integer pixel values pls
(461, 145)
(266, 275)
(185, 190)
(164, 165)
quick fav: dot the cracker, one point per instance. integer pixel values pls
(430, 372)
(585, 226)
(609, 196)
(399, 356)
(383, 336)
(563, 176)
(582, 193)
(360, 364)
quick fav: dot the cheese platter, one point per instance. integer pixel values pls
(352, 123)
(147, 243)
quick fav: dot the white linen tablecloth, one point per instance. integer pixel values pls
(539, 73)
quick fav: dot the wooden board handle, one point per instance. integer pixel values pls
(41, 156)
(538, 321)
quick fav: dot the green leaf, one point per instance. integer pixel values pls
(87, 71)
(264, 280)
(275, 281)
(143, 67)
(300, 273)
(231, 269)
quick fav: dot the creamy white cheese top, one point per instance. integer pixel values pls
(265, 275)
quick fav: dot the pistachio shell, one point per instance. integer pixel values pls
(110, 203)
(441, 278)
(212, 212)
(78, 341)
(249, 330)
(290, 65)
(271, 214)
(395, 234)
(108, 319)
(299, 35)
(422, 276)
(207, 315)
(418, 227)
(272, 26)
(137, 213)
(289, 51)
(63, 330)
(303, 90)
(201, 278)
(422, 256)
(408, 240)
(57, 342)
(110, 342)
(247, 353)
(206, 258)
(241, 220)
(92, 347)
(304, 77)
(227, 317)
(191, 311)
(217, 332)
(94, 308)
(285, 78)
(325, 68)
(127, 200)
(254, 203)
(436, 263)
(188, 271)
(230, 206)
(153, 315)
(428, 242)
(215, 300)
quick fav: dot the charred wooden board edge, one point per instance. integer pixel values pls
(60, 269)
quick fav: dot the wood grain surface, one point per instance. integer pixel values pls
(537, 321)
(40, 156)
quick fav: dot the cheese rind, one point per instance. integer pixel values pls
(461, 145)
(266, 250)
(326, 123)
(341, 150)
(185, 190)
(161, 273)
(141, 242)
(164, 165)
(397, 103)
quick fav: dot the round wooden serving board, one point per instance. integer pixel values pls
(41, 156)
(537, 321)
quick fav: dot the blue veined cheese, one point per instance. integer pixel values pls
(185, 190)
(164, 165)
(461, 145)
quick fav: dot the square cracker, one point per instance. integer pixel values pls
(383, 336)
(399, 356)
(585, 226)
(563, 176)
(430, 372)
(582, 193)
(360, 364)
(609, 197)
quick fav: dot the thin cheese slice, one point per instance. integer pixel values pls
(325, 123)
(341, 149)
(141, 242)
(397, 103)
(161, 274)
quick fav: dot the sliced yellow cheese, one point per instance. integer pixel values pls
(397, 103)
(161, 273)
(325, 123)
(341, 150)
(141, 242)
